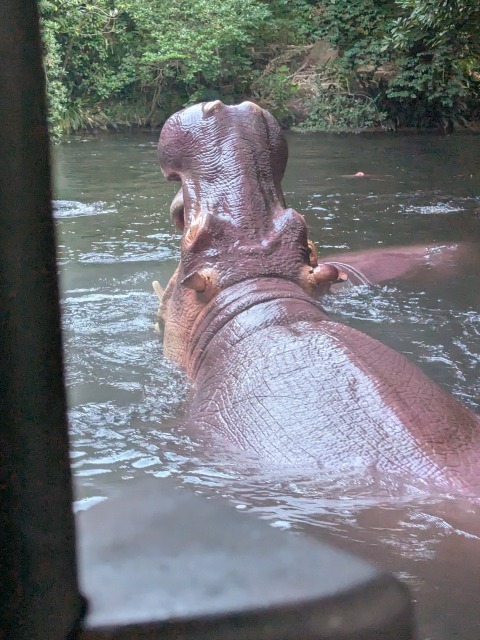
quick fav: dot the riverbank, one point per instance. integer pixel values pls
(309, 96)
(387, 127)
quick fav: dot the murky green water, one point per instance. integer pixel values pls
(115, 237)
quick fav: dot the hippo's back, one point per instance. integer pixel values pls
(320, 394)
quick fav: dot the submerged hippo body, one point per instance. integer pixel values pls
(272, 374)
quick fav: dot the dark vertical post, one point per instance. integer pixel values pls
(37, 542)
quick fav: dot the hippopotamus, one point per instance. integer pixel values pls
(272, 374)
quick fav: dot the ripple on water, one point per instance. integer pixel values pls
(74, 209)
(110, 252)
(87, 503)
(434, 209)
(409, 323)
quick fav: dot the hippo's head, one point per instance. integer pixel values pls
(231, 211)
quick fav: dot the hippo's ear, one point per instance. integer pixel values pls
(326, 272)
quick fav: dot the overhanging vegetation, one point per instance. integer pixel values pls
(318, 64)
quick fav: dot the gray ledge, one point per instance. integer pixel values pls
(157, 561)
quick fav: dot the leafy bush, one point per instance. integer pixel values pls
(133, 62)
(151, 56)
(438, 47)
(339, 111)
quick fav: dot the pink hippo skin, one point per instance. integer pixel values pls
(423, 263)
(271, 373)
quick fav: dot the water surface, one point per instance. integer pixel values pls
(115, 237)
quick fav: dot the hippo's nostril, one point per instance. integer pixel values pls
(209, 108)
(251, 105)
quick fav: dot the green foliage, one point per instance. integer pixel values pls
(413, 61)
(340, 111)
(198, 44)
(322, 93)
(276, 91)
(454, 23)
(116, 63)
(438, 47)
(428, 87)
(291, 22)
(83, 58)
(353, 24)
(151, 56)
(56, 91)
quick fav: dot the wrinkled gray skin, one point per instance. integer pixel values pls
(272, 374)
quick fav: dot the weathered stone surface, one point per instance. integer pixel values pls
(157, 559)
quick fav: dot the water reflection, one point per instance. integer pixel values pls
(115, 237)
